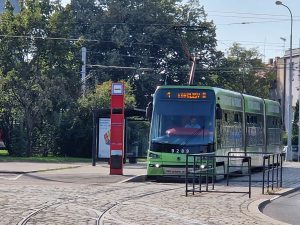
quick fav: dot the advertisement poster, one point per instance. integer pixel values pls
(2, 145)
(104, 138)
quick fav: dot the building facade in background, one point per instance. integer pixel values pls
(281, 93)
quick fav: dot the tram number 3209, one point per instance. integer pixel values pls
(180, 150)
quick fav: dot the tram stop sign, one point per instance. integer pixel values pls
(117, 129)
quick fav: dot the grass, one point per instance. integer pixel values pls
(4, 157)
(3, 153)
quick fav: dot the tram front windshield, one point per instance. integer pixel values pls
(183, 126)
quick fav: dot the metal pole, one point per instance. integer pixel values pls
(194, 169)
(83, 69)
(268, 183)
(227, 174)
(284, 40)
(289, 149)
(186, 174)
(281, 161)
(273, 162)
(264, 172)
(277, 167)
(299, 105)
(249, 173)
(94, 139)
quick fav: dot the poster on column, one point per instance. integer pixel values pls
(104, 138)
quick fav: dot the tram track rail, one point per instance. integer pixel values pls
(100, 214)
(100, 220)
(35, 212)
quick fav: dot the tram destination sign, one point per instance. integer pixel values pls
(185, 94)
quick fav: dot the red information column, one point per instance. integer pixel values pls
(117, 129)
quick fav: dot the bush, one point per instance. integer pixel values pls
(294, 139)
(284, 138)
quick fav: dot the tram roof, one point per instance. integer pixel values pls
(253, 104)
(272, 108)
(229, 100)
(232, 100)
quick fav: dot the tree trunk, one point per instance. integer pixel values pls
(29, 132)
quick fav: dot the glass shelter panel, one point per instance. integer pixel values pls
(137, 138)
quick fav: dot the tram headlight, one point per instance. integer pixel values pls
(154, 156)
(202, 166)
(154, 165)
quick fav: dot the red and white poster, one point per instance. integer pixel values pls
(2, 145)
(104, 138)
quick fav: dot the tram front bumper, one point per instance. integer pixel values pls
(166, 170)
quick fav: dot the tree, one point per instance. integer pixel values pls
(132, 40)
(243, 71)
(140, 34)
(35, 70)
(76, 127)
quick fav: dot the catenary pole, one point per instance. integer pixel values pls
(289, 119)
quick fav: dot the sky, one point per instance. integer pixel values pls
(265, 23)
(254, 24)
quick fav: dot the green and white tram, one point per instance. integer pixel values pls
(226, 121)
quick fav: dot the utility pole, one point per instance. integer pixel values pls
(83, 69)
(299, 103)
(284, 40)
(290, 103)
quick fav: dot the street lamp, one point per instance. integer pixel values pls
(289, 149)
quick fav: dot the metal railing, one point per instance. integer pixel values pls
(271, 162)
(205, 166)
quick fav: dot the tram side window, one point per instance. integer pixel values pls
(273, 130)
(254, 130)
(226, 117)
(236, 118)
(231, 130)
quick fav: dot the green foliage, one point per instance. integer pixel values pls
(243, 71)
(34, 72)
(100, 98)
(294, 139)
(3, 153)
(295, 129)
(42, 109)
(76, 126)
(284, 138)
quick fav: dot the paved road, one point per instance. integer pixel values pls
(285, 208)
(87, 195)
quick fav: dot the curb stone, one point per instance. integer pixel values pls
(257, 206)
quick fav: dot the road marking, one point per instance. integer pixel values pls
(11, 178)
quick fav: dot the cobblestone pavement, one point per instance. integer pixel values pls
(134, 203)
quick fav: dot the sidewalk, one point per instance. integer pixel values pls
(101, 168)
(159, 203)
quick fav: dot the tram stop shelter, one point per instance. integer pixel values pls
(136, 134)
